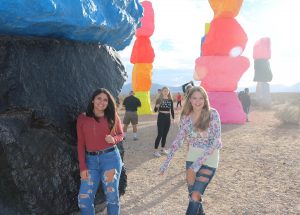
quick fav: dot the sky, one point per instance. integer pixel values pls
(179, 26)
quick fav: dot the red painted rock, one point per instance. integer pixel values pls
(225, 38)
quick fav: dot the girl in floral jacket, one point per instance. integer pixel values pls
(200, 127)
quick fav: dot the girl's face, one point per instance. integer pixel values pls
(197, 101)
(100, 102)
(165, 92)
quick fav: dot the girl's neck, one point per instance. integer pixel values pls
(98, 113)
(165, 97)
(195, 114)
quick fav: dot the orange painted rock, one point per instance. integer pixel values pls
(142, 77)
(226, 8)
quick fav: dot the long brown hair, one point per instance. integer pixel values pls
(109, 112)
(203, 122)
(160, 98)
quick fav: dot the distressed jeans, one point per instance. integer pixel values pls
(103, 169)
(203, 177)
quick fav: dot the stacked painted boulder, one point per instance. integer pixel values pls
(263, 73)
(53, 55)
(221, 65)
(142, 57)
(111, 23)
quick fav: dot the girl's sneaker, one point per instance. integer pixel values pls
(164, 152)
(156, 154)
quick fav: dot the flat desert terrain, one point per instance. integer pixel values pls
(259, 170)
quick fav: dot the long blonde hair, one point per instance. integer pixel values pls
(204, 119)
(160, 98)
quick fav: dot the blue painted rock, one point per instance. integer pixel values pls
(106, 22)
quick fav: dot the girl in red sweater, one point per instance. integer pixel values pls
(98, 132)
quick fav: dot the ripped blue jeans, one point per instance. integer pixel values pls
(103, 169)
(203, 177)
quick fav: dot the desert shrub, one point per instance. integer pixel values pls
(285, 98)
(288, 114)
(296, 101)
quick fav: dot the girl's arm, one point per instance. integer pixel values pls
(157, 104)
(118, 133)
(172, 109)
(177, 143)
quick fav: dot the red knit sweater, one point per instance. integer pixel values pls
(91, 136)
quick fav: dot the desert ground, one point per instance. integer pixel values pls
(259, 170)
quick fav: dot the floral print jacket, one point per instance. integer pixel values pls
(208, 143)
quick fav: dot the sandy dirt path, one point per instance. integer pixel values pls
(259, 171)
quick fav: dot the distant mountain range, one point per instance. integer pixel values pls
(274, 88)
(278, 88)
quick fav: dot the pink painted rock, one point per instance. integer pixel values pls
(220, 73)
(262, 49)
(228, 106)
(147, 22)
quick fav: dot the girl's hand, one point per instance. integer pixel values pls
(190, 176)
(109, 139)
(84, 175)
(161, 173)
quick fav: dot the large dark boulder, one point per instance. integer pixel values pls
(39, 167)
(55, 78)
(44, 85)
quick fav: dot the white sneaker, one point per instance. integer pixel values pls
(156, 154)
(164, 152)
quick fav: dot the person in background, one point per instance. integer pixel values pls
(131, 104)
(158, 94)
(200, 127)
(164, 107)
(186, 87)
(178, 99)
(246, 102)
(240, 95)
(99, 129)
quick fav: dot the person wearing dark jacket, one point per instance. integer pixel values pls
(246, 102)
(186, 87)
(131, 104)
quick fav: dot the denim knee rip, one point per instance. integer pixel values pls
(203, 177)
(109, 179)
(84, 197)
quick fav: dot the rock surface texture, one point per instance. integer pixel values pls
(44, 85)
